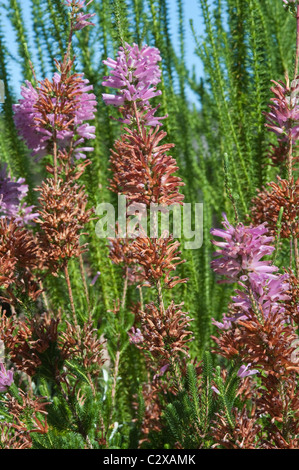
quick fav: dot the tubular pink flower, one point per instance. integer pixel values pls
(244, 371)
(268, 294)
(6, 378)
(81, 21)
(226, 325)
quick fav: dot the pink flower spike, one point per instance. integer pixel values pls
(240, 260)
(242, 250)
(134, 74)
(38, 137)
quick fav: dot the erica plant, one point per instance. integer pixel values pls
(134, 340)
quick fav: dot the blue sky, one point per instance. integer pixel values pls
(191, 9)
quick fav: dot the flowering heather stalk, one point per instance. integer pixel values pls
(283, 119)
(141, 169)
(79, 20)
(259, 328)
(53, 119)
(144, 173)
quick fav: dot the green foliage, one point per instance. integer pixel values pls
(189, 416)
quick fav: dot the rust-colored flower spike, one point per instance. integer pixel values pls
(34, 404)
(84, 345)
(158, 257)
(19, 258)
(25, 340)
(245, 434)
(66, 167)
(63, 215)
(268, 343)
(165, 334)
(143, 171)
(267, 206)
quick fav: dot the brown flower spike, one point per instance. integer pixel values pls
(142, 170)
(63, 215)
(158, 257)
(267, 206)
(20, 257)
(165, 334)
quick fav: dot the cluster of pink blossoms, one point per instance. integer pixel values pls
(12, 194)
(240, 260)
(28, 120)
(242, 251)
(135, 74)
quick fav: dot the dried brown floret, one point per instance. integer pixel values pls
(26, 340)
(243, 435)
(84, 345)
(20, 256)
(267, 206)
(292, 304)
(166, 334)
(158, 257)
